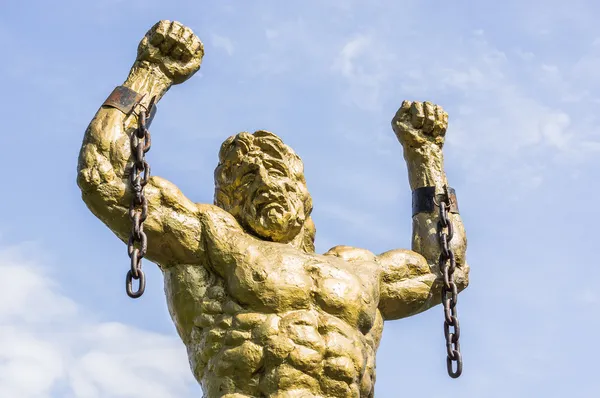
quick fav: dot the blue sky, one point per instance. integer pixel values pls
(519, 80)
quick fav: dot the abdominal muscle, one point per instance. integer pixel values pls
(239, 352)
(276, 321)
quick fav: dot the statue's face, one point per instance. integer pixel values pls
(270, 199)
(266, 191)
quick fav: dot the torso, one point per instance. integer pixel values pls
(264, 319)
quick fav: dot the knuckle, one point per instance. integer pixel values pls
(198, 47)
(185, 35)
(176, 29)
(164, 24)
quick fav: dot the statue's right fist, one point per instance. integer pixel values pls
(174, 48)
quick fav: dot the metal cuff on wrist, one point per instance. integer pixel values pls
(125, 99)
(424, 200)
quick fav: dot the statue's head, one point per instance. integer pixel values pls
(260, 181)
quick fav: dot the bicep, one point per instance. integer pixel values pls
(172, 224)
(406, 284)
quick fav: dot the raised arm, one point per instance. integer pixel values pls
(168, 54)
(412, 280)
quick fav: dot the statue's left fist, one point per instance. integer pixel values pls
(174, 48)
(419, 124)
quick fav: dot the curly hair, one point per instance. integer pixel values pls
(259, 145)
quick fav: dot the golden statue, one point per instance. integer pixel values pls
(262, 314)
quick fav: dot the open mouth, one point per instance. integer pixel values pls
(265, 201)
(267, 206)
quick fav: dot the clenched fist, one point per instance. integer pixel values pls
(420, 124)
(174, 48)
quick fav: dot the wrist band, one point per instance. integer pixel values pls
(424, 200)
(125, 99)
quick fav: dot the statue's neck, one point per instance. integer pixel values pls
(300, 241)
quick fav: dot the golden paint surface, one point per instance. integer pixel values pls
(262, 314)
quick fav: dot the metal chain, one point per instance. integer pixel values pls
(138, 209)
(447, 264)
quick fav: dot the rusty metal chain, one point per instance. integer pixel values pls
(138, 209)
(447, 264)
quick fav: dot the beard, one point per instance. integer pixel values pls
(278, 220)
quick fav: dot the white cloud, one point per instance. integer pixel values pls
(500, 128)
(290, 46)
(494, 122)
(271, 34)
(349, 54)
(365, 65)
(506, 115)
(587, 296)
(555, 130)
(223, 43)
(50, 343)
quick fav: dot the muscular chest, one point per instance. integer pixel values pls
(271, 277)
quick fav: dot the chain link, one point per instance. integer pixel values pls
(138, 209)
(447, 264)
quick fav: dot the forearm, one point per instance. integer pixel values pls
(106, 151)
(148, 80)
(426, 169)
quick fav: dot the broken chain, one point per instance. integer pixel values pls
(138, 209)
(447, 264)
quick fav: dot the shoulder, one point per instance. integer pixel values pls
(396, 257)
(401, 256)
(349, 253)
(182, 212)
(403, 263)
(169, 195)
(218, 220)
(396, 265)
